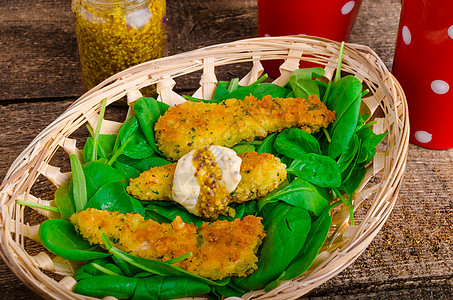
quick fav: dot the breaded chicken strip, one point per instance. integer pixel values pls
(192, 125)
(261, 173)
(219, 249)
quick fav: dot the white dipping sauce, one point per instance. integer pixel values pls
(185, 189)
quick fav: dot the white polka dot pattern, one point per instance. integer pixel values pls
(348, 7)
(423, 137)
(424, 49)
(407, 38)
(440, 87)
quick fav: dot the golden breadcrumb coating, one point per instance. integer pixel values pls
(192, 125)
(219, 249)
(154, 184)
(261, 173)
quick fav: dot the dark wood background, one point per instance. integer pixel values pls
(411, 258)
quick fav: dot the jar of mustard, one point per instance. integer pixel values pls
(114, 35)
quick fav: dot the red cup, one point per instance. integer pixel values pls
(423, 64)
(332, 19)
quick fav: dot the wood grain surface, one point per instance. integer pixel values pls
(411, 258)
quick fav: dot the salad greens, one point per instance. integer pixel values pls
(321, 167)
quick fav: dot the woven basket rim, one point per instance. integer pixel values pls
(387, 95)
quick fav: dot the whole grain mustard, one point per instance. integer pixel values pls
(114, 35)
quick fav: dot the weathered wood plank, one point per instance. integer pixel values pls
(39, 50)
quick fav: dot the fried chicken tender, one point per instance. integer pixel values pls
(219, 249)
(192, 125)
(261, 173)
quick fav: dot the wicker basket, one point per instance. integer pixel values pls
(345, 243)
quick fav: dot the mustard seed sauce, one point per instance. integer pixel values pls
(213, 197)
(114, 35)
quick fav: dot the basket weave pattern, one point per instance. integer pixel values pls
(344, 244)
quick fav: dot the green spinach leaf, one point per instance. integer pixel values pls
(60, 238)
(113, 197)
(286, 228)
(313, 243)
(97, 174)
(148, 110)
(302, 194)
(345, 99)
(267, 146)
(163, 288)
(78, 184)
(317, 169)
(295, 142)
(105, 146)
(64, 201)
(121, 287)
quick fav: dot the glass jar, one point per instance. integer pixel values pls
(114, 35)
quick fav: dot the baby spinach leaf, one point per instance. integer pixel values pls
(362, 122)
(78, 184)
(306, 73)
(327, 92)
(145, 164)
(98, 174)
(243, 148)
(351, 185)
(60, 238)
(133, 142)
(346, 174)
(151, 214)
(221, 90)
(168, 213)
(241, 210)
(227, 291)
(295, 142)
(89, 269)
(273, 90)
(157, 267)
(256, 90)
(322, 88)
(317, 169)
(113, 197)
(101, 286)
(370, 140)
(98, 130)
(148, 110)
(286, 225)
(163, 288)
(126, 171)
(64, 201)
(240, 92)
(302, 84)
(107, 271)
(345, 99)
(313, 243)
(105, 147)
(305, 87)
(127, 269)
(267, 146)
(302, 194)
(347, 157)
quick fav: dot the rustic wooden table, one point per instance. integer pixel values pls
(411, 258)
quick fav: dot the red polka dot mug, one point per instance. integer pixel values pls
(423, 64)
(332, 19)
